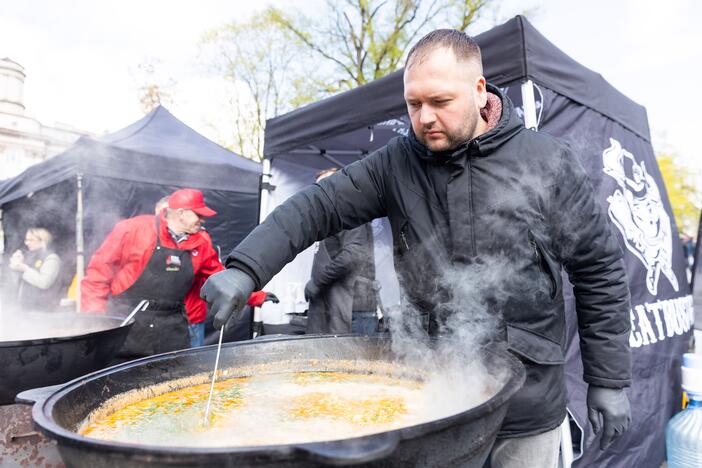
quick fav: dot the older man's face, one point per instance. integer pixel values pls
(444, 97)
(190, 221)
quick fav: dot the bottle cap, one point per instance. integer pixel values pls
(692, 373)
(692, 360)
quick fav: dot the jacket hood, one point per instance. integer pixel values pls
(507, 126)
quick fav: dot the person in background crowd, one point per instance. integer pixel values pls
(164, 259)
(196, 331)
(688, 246)
(470, 191)
(366, 289)
(38, 269)
(160, 205)
(335, 268)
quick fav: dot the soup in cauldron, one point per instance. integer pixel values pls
(271, 409)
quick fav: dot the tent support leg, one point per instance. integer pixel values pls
(266, 190)
(80, 258)
(529, 105)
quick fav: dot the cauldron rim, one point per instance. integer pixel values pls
(42, 412)
(68, 338)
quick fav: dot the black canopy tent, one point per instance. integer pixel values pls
(610, 134)
(81, 193)
(512, 53)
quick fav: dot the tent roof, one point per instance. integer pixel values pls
(157, 149)
(513, 51)
(161, 133)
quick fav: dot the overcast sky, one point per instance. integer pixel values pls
(81, 57)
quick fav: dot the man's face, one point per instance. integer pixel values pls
(190, 221)
(444, 98)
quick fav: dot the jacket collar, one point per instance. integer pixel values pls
(482, 145)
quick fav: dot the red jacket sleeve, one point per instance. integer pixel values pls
(209, 264)
(95, 286)
(257, 298)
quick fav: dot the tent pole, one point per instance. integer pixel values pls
(332, 160)
(80, 259)
(327, 152)
(263, 200)
(266, 189)
(529, 105)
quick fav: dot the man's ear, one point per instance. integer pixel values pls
(481, 91)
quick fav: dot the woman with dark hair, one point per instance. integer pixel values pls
(38, 269)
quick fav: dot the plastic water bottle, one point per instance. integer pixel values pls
(683, 438)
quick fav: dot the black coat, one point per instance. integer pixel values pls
(30, 297)
(365, 290)
(335, 269)
(507, 210)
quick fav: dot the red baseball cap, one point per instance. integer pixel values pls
(190, 199)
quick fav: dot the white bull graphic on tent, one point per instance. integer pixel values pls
(637, 210)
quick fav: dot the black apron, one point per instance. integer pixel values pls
(165, 281)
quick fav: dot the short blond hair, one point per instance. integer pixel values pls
(42, 234)
(463, 46)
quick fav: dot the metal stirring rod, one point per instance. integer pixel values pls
(141, 306)
(214, 377)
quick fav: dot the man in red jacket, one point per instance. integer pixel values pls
(168, 270)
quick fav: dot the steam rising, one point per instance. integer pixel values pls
(469, 300)
(456, 365)
(106, 201)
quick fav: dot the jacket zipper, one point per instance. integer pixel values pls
(404, 240)
(472, 211)
(544, 268)
(532, 241)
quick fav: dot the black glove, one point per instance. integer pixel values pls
(272, 298)
(226, 293)
(311, 290)
(608, 409)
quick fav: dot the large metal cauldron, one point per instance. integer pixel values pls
(460, 440)
(89, 343)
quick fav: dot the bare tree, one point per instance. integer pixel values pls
(287, 59)
(262, 60)
(153, 90)
(363, 40)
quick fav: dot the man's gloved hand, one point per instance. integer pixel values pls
(272, 298)
(311, 290)
(608, 409)
(226, 293)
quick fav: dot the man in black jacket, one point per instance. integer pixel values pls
(470, 189)
(366, 290)
(335, 269)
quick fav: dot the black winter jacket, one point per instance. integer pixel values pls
(334, 270)
(513, 205)
(365, 290)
